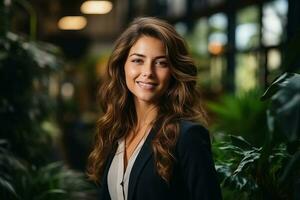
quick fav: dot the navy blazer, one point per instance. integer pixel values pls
(194, 176)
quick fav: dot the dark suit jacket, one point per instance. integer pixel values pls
(194, 176)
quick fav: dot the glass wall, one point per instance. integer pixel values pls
(259, 32)
(217, 41)
(208, 41)
(247, 43)
(274, 22)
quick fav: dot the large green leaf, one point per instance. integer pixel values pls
(284, 111)
(279, 83)
(238, 167)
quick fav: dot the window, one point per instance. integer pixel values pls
(217, 41)
(247, 40)
(256, 56)
(274, 21)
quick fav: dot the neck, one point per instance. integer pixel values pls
(146, 113)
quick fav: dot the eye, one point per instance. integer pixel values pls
(161, 63)
(137, 60)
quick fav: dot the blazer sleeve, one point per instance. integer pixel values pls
(196, 163)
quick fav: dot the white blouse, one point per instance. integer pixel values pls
(117, 180)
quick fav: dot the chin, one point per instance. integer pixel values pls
(147, 99)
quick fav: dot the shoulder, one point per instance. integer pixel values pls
(186, 125)
(193, 134)
(189, 129)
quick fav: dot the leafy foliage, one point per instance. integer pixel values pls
(21, 180)
(241, 115)
(284, 111)
(271, 171)
(25, 104)
(239, 168)
(284, 125)
(26, 112)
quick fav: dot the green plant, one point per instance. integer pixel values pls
(25, 68)
(284, 126)
(239, 167)
(26, 115)
(22, 180)
(271, 171)
(241, 115)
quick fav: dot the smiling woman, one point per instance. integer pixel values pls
(147, 72)
(151, 143)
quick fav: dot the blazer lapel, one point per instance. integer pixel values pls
(142, 158)
(103, 181)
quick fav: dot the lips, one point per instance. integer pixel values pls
(146, 85)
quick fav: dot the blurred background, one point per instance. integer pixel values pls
(53, 56)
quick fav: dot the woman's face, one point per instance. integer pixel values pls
(147, 70)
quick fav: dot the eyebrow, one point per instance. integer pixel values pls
(141, 55)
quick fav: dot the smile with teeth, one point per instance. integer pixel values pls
(146, 85)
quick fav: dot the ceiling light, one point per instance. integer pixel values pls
(96, 7)
(72, 23)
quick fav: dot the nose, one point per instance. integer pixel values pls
(147, 69)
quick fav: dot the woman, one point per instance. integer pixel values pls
(150, 144)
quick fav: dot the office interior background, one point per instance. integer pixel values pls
(52, 59)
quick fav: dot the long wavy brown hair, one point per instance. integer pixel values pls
(181, 101)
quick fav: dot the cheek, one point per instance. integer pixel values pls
(130, 70)
(165, 77)
(130, 74)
